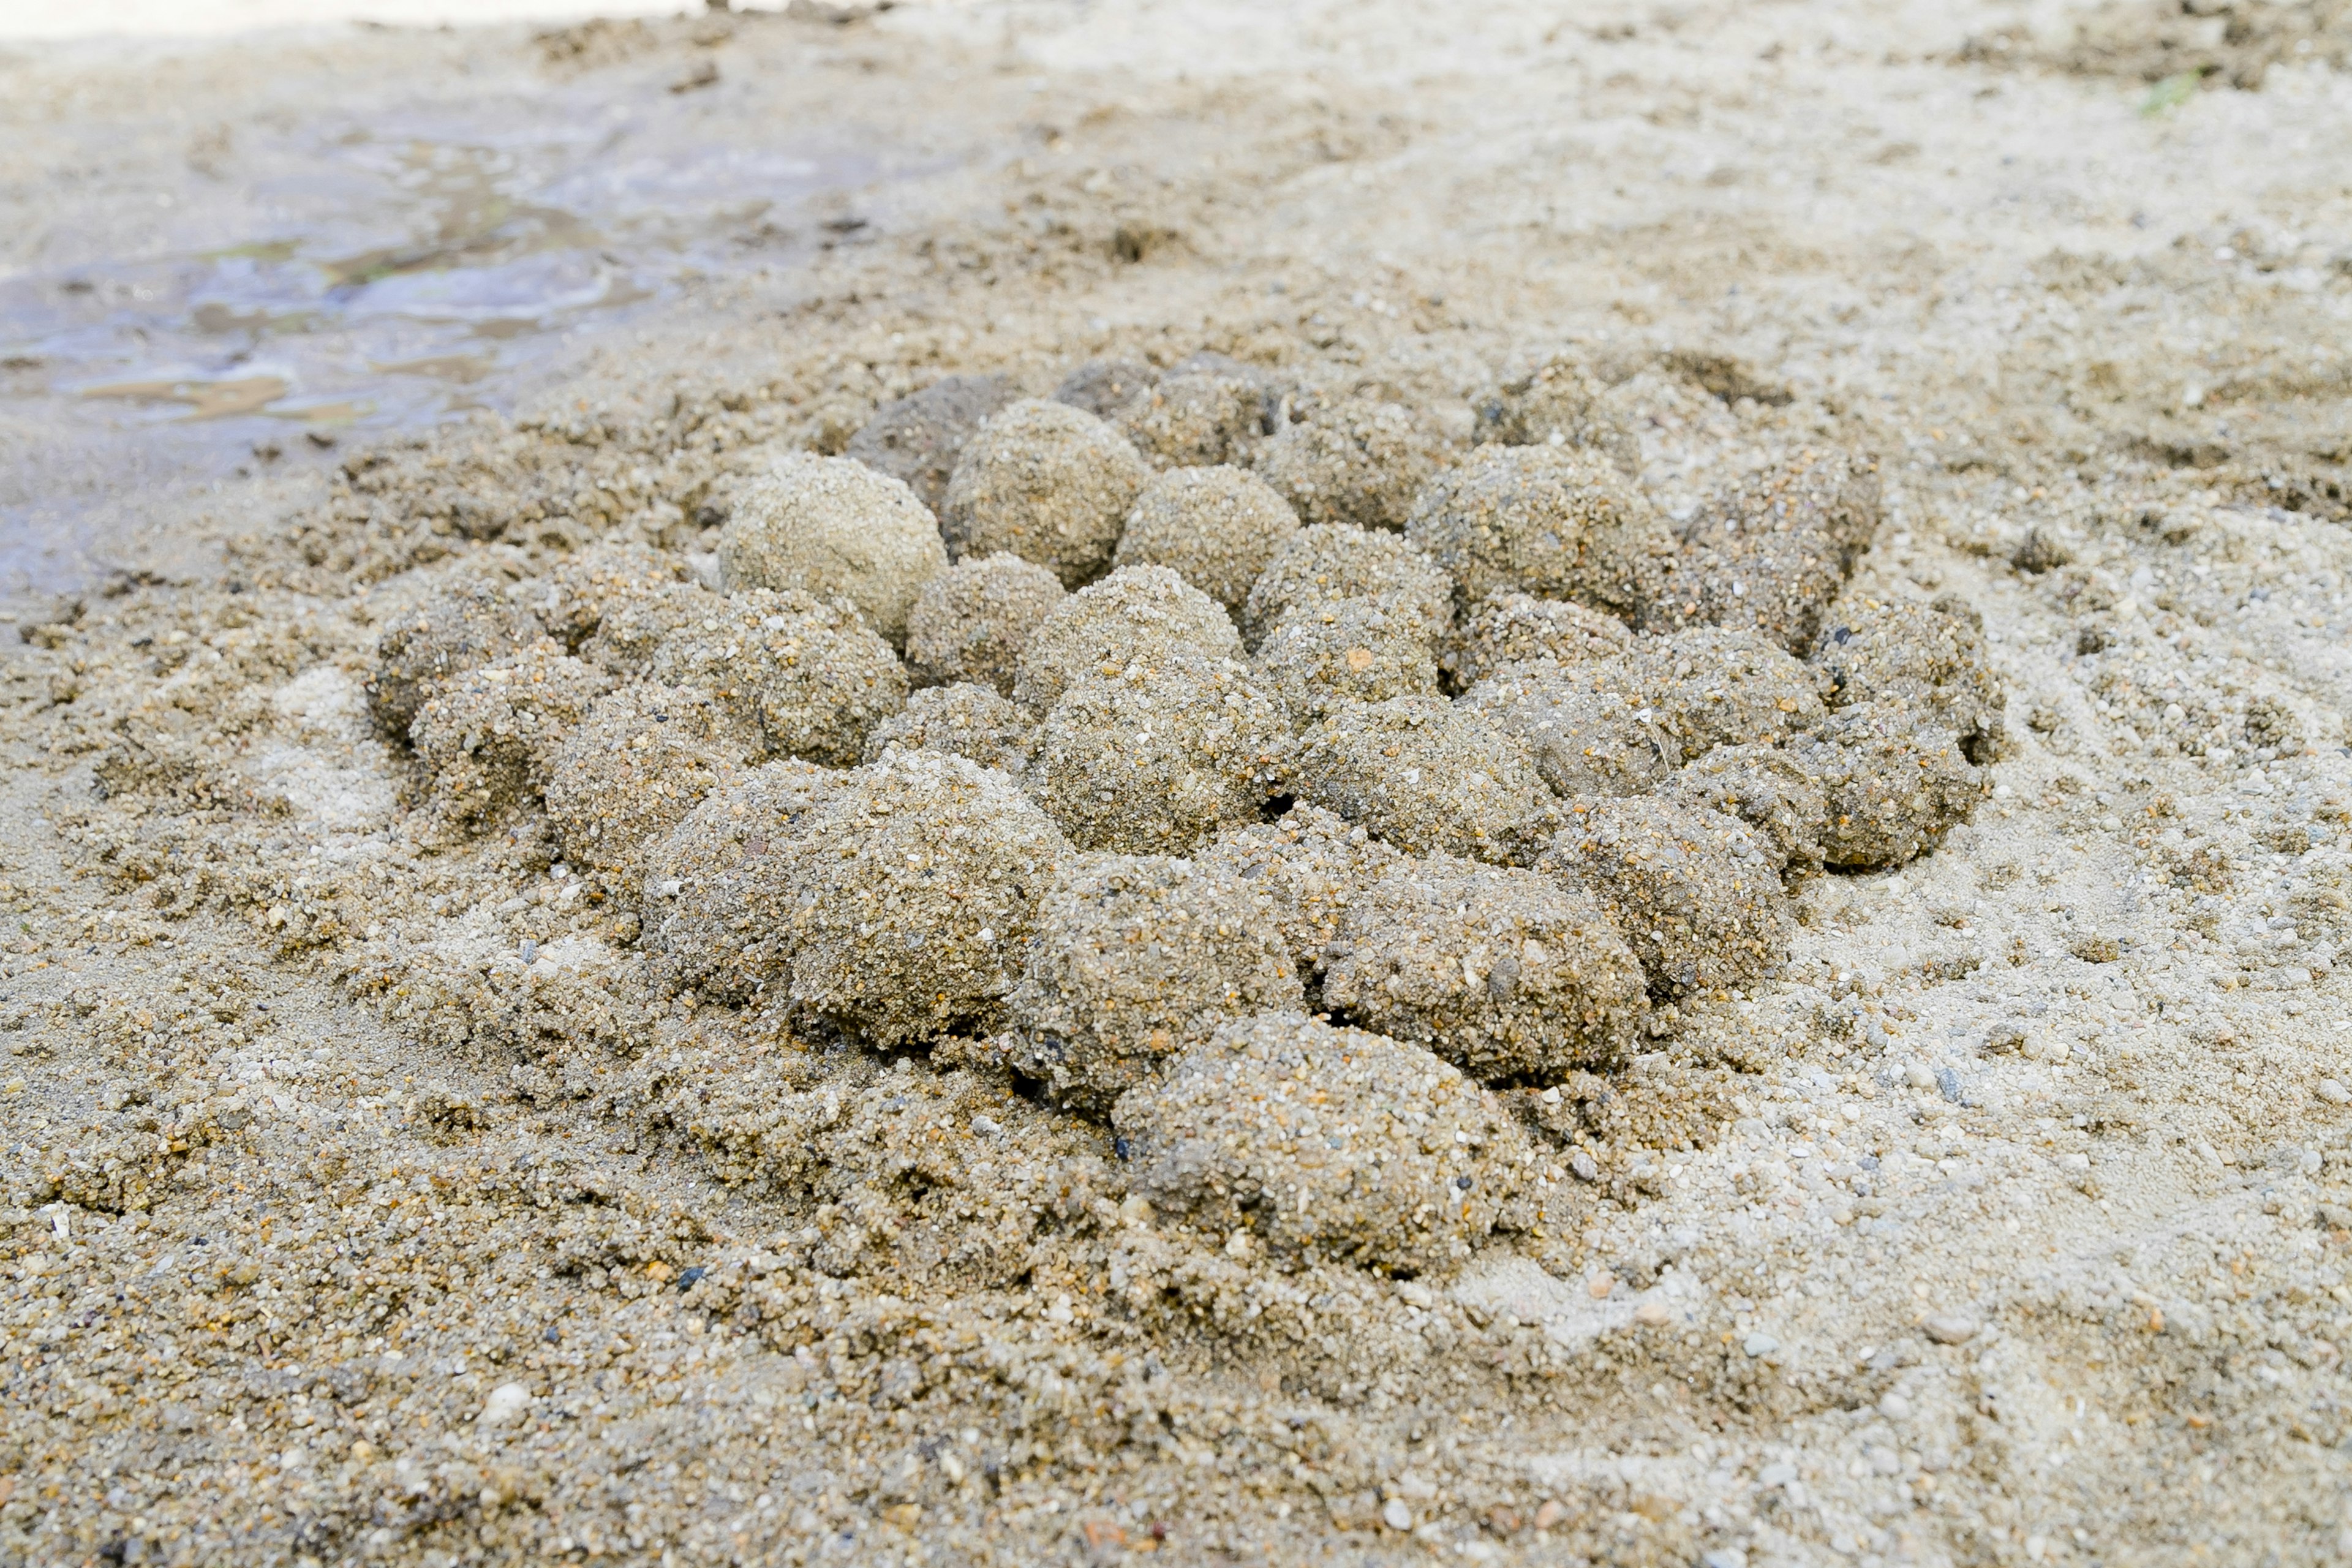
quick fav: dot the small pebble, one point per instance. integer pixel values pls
(1759, 1344)
(1951, 1328)
(2334, 1093)
(507, 1401)
(1395, 1515)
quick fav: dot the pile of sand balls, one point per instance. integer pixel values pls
(1252, 770)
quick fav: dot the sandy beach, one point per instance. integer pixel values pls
(537, 1032)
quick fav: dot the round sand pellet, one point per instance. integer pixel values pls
(834, 529)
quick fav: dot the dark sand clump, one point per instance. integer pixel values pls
(964, 719)
(1426, 776)
(835, 529)
(1138, 614)
(1135, 958)
(1357, 462)
(1216, 527)
(1159, 756)
(1326, 1143)
(917, 439)
(1506, 972)
(1697, 898)
(912, 894)
(972, 621)
(1051, 483)
(1104, 387)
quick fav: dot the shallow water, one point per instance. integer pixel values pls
(372, 270)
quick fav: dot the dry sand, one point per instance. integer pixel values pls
(368, 1199)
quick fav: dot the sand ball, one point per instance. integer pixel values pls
(1136, 614)
(1427, 775)
(641, 759)
(1328, 1144)
(1135, 958)
(1555, 521)
(972, 621)
(1695, 896)
(913, 892)
(1329, 560)
(1505, 972)
(811, 674)
(1159, 756)
(1357, 462)
(1217, 528)
(963, 719)
(918, 439)
(462, 627)
(835, 529)
(1051, 483)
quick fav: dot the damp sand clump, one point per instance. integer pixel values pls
(1586, 737)
(1328, 561)
(1346, 650)
(1767, 787)
(913, 892)
(964, 719)
(1051, 483)
(1357, 462)
(488, 738)
(1135, 958)
(917, 439)
(1313, 865)
(1507, 973)
(834, 529)
(972, 621)
(1512, 628)
(1926, 660)
(461, 626)
(1104, 387)
(1771, 554)
(643, 757)
(1326, 1143)
(1427, 775)
(811, 674)
(1159, 756)
(571, 600)
(1892, 784)
(717, 904)
(1135, 615)
(1695, 896)
(1557, 403)
(1716, 687)
(1201, 418)
(1216, 527)
(1555, 521)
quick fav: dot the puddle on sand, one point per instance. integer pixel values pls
(417, 262)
